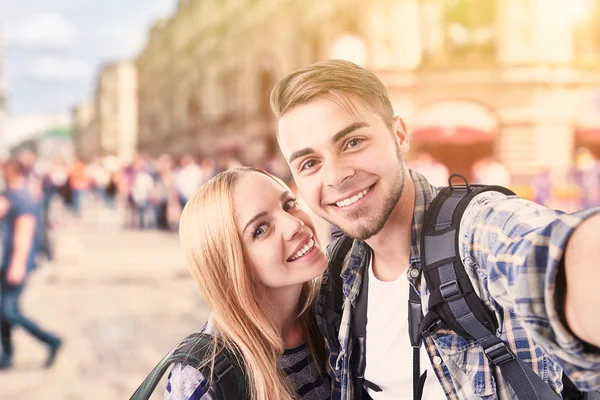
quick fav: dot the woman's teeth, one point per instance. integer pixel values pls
(304, 250)
(353, 199)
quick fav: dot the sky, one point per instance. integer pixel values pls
(53, 49)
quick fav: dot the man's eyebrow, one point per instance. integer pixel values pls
(257, 216)
(336, 138)
(300, 153)
(348, 130)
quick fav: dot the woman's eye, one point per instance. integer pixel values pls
(259, 231)
(290, 204)
(353, 143)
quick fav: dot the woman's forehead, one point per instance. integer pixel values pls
(255, 192)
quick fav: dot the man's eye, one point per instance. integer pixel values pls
(308, 164)
(353, 143)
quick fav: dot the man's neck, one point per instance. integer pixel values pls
(391, 246)
(17, 183)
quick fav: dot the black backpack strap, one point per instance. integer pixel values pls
(570, 391)
(336, 253)
(453, 299)
(226, 378)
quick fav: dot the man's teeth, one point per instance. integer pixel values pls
(304, 250)
(353, 199)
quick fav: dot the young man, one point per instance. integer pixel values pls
(345, 148)
(18, 260)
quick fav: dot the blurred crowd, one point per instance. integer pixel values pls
(151, 192)
(575, 188)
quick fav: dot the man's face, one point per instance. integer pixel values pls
(10, 172)
(348, 166)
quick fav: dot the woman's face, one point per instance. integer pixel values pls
(278, 236)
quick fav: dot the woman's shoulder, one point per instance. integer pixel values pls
(187, 383)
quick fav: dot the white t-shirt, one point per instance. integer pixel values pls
(142, 187)
(188, 180)
(389, 353)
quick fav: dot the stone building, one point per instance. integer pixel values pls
(85, 136)
(514, 79)
(109, 125)
(3, 151)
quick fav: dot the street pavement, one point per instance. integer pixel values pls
(119, 298)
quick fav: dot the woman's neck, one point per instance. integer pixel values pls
(282, 307)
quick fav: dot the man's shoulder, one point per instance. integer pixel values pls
(492, 200)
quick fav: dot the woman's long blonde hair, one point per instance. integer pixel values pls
(218, 263)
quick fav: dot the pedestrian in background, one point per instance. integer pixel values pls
(20, 244)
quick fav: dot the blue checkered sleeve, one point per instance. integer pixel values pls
(517, 248)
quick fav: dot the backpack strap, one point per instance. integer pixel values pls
(453, 300)
(228, 380)
(334, 297)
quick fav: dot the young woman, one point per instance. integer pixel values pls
(256, 258)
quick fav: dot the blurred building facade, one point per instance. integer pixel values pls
(2, 98)
(514, 79)
(86, 138)
(109, 125)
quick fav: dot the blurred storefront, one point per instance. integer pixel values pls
(472, 78)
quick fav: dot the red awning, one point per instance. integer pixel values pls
(462, 135)
(588, 135)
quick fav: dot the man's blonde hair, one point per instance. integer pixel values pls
(341, 81)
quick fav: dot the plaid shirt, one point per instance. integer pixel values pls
(512, 250)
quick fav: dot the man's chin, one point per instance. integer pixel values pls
(357, 232)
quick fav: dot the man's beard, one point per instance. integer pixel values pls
(373, 222)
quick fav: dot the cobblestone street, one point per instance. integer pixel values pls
(119, 298)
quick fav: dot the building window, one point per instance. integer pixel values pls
(458, 32)
(229, 93)
(585, 15)
(194, 115)
(266, 82)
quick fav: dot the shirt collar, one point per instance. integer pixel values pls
(356, 261)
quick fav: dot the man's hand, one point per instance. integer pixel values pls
(15, 275)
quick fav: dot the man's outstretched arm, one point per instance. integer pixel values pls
(517, 250)
(582, 273)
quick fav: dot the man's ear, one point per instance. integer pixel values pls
(401, 134)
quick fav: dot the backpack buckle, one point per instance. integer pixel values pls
(431, 324)
(450, 291)
(221, 368)
(499, 354)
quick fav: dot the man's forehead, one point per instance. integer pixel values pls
(312, 123)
